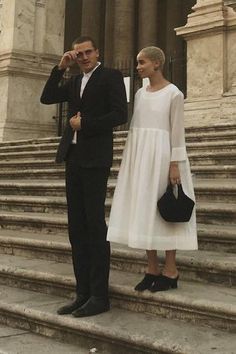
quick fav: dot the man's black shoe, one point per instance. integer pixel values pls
(93, 306)
(72, 306)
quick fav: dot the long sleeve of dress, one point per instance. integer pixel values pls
(177, 134)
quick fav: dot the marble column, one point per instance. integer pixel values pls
(211, 68)
(147, 23)
(31, 41)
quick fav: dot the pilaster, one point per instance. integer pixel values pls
(31, 42)
(210, 33)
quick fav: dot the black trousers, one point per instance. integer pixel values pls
(86, 194)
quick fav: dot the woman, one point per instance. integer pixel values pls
(154, 155)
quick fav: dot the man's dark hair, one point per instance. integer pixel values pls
(83, 39)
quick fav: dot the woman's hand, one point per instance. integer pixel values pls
(174, 173)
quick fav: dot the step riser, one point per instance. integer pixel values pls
(28, 207)
(204, 217)
(215, 196)
(216, 245)
(179, 313)
(24, 191)
(218, 161)
(34, 165)
(26, 225)
(201, 196)
(58, 174)
(214, 174)
(30, 158)
(206, 243)
(29, 148)
(130, 302)
(187, 271)
(80, 338)
(216, 218)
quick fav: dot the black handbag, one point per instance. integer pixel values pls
(174, 209)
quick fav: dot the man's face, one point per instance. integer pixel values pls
(87, 56)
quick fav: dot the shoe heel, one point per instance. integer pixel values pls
(174, 283)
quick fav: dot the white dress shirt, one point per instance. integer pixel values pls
(84, 82)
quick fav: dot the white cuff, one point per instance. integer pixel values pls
(178, 154)
(74, 140)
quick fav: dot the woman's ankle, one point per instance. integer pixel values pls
(170, 273)
(153, 271)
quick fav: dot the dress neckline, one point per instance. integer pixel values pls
(151, 92)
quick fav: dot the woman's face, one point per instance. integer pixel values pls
(146, 67)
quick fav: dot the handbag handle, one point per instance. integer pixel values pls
(180, 189)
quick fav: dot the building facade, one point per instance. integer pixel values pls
(198, 37)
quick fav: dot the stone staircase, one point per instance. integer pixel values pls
(36, 272)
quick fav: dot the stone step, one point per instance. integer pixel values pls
(211, 305)
(210, 133)
(212, 236)
(29, 159)
(34, 187)
(117, 331)
(220, 238)
(10, 159)
(31, 147)
(219, 190)
(57, 171)
(50, 144)
(216, 213)
(22, 341)
(11, 151)
(211, 146)
(17, 143)
(201, 266)
(208, 172)
(212, 158)
(209, 213)
(49, 140)
(29, 155)
(33, 221)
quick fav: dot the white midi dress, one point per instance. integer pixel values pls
(155, 138)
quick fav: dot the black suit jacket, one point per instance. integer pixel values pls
(103, 106)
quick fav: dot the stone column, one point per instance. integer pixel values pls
(147, 24)
(31, 41)
(92, 20)
(123, 36)
(209, 31)
(109, 33)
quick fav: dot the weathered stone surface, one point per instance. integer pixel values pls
(117, 331)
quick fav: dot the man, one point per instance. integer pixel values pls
(97, 103)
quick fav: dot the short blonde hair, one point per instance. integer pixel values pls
(154, 54)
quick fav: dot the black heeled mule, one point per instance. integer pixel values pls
(163, 283)
(146, 282)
